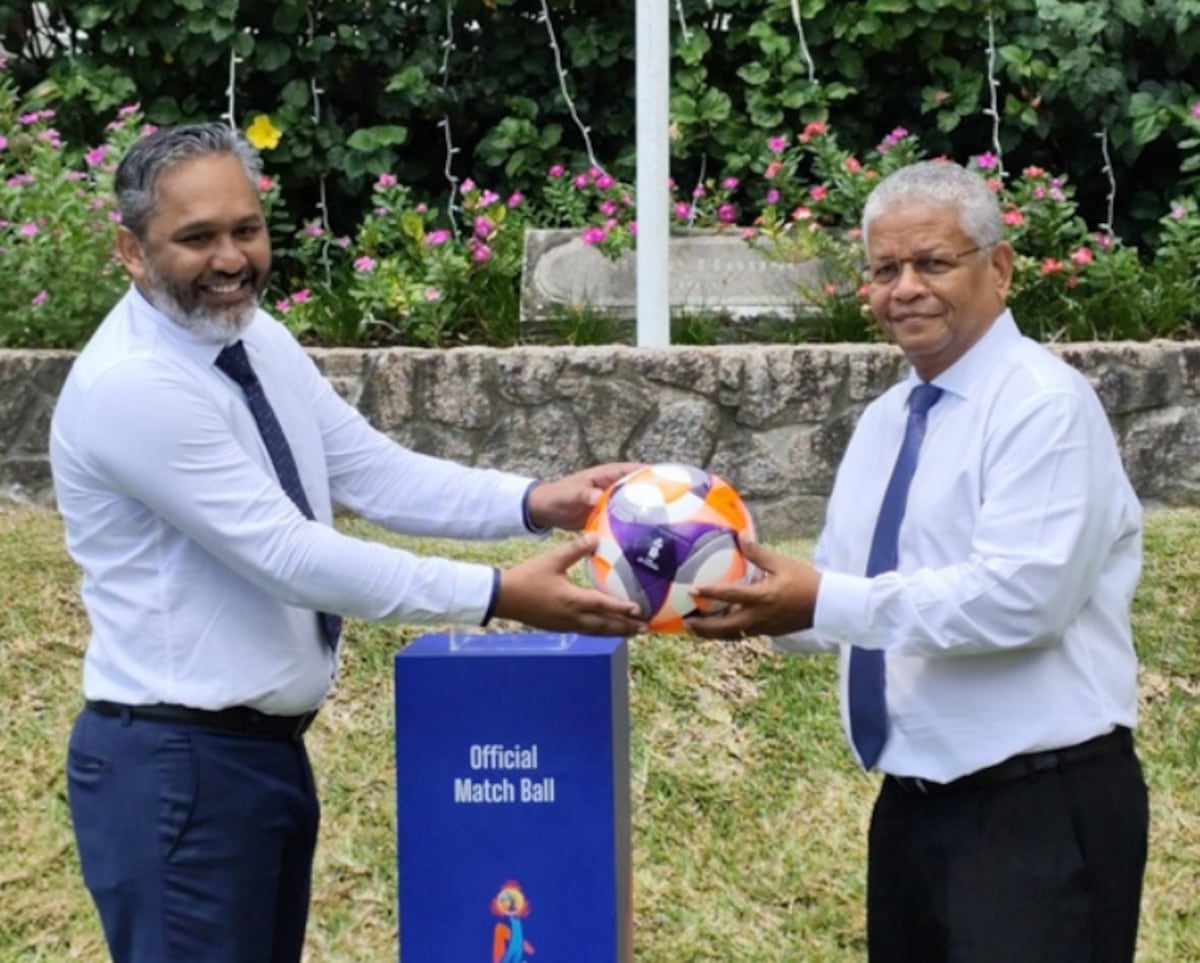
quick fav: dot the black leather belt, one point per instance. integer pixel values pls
(240, 719)
(1018, 767)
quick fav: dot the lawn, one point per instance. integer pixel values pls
(749, 816)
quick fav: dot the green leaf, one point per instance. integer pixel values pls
(754, 74)
(363, 140)
(296, 93)
(272, 55)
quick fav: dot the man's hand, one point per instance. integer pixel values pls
(539, 593)
(781, 600)
(566, 503)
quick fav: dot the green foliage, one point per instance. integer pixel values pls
(437, 94)
(56, 223)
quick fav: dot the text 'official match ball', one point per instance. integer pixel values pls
(663, 528)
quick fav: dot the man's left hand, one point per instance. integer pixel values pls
(567, 502)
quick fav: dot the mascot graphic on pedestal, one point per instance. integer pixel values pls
(508, 940)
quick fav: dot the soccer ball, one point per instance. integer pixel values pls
(663, 528)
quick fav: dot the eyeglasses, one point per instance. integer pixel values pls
(930, 265)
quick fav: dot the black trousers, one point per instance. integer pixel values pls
(1046, 868)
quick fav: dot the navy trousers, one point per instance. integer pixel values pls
(1043, 869)
(195, 844)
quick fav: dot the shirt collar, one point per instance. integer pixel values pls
(966, 373)
(200, 349)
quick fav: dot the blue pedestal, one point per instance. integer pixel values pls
(512, 765)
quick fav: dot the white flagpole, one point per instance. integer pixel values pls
(653, 171)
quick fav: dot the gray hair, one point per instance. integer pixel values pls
(153, 155)
(941, 183)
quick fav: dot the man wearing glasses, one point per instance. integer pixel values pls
(975, 572)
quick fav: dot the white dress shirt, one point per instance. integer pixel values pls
(1006, 625)
(200, 576)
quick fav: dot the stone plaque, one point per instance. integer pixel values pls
(710, 273)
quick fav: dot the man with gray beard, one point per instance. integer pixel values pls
(198, 455)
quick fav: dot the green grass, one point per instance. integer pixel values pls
(749, 817)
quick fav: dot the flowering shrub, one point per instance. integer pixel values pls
(413, 273)
(56, 226)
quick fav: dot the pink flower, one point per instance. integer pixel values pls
(776, 145)
(607, 207)
(487, 198)
(818, 193)
(1179, 212)
(853, 165)
(26, 119)
(385, 181)
(342, 242)
(726, 213)
(748, 233)
(772, 196)
(854, 232)
(556, 170)
(699, 191)
(480, 252)
(40, 298)
(1196, 110)
(683, 210)
(1033, 172)
(605, 181)
(51, 137)
(1039, 192)
(483, 227)
(773, 168)
(148, 129)
(364, 264)
(1082, 256)
(581, 181)
(815, 129)
(265, 183)
(29, 229)
(73, 176)
(801, 213)
(1014, 218)
(1052, 266)
(730, 183)
(436, 238)
(304, 294)
(114, 216)
(986, 161)
(515, 199)
(421, 208)
(995, 185)
(3, 142)
(831, 289)
(129, 109)
(1103, 240)
(432, 293)
(284, 306)
(633, 228)
(468, 185)
(593, 235)
(313, 229)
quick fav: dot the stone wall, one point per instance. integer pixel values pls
(773, 419)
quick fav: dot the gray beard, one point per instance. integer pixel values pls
(216, 327)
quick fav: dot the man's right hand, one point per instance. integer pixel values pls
(539, 593)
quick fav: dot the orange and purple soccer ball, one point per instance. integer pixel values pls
(662, 529)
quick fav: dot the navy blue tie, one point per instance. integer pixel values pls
(867, 683)
(234, 361)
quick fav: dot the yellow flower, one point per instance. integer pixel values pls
(263, 134)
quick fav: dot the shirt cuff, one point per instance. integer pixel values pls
(842, 605)
(533, 529)
(491, 608)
